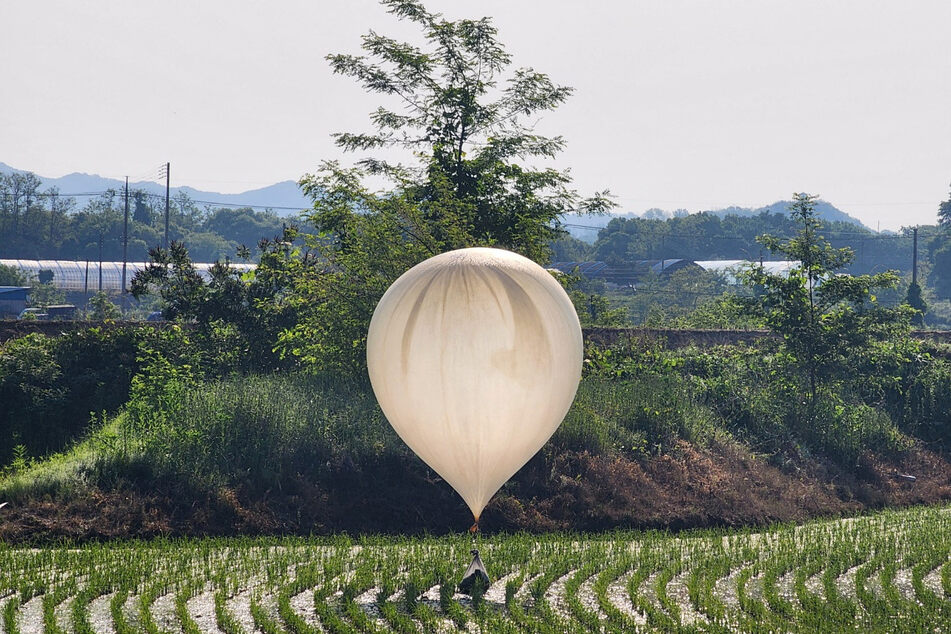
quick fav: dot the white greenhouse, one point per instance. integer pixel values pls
(83, 276)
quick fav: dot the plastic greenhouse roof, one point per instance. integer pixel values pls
(71, 275)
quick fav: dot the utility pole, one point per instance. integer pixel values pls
(125, 237)
(167, 168)
(914, 257)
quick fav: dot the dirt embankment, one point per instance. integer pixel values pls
(688, 487)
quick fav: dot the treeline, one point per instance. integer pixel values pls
(40, 224)
(706, 236)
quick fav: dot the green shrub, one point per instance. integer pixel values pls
(52, 388)
(259, 431)
(755, 394)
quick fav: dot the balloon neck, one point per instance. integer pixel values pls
(474, 528)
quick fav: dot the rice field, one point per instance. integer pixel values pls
(885, 572)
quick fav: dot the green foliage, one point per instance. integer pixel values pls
(634, 417)
(912, 383)
(256, 432)
(335, 285)
(594, 309)
(102, 308)
(944, 212)
(915, 300)
(465, 123)
(180, 286)
(824, 319)
(53, 389)
(940, 277)
(707, 236)
(567, 248)
(755, 395)
(38, 224)
(12, 276)
(20, 462)
(32, 393)
(723, 313)
(690, 297)
(43, 295)
(590, 302)
(240, 314)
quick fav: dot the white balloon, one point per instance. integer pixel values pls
(475, 357)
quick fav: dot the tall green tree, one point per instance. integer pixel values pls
(464, 116)
(827, 321)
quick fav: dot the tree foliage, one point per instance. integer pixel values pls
(460, 112)
(45, 225)
(591, 303)
(944, 212)
(940, 277)
(244, 311)
(916, 301)
(707, 236)
(102, 308)
(12, 276)
(826, 320)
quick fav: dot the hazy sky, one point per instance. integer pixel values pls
(692, 104)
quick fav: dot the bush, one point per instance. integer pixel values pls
(256, 431)
(636, 416)
(34, 396)
(754, 394)
(920, 400)
(53, 388)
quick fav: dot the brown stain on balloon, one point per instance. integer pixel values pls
(410, 329)
(530, 335)
(488, 285)
(531, 344)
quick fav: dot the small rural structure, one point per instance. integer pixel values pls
(12, 300)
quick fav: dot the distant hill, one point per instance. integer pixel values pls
(586, 227)
(284, 198)
(825, 210)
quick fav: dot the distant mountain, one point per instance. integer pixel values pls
(825, 210)
(586, 227)
(284, 198)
